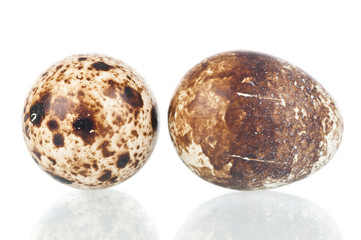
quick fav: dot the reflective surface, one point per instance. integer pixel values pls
(258, 215)
(103, 214)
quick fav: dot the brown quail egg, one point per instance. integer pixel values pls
(246, 120)
(90, 121)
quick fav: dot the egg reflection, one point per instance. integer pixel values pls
(104, 214)
(258, 216)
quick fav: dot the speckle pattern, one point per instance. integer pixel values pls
(246, 120)
(90, 121)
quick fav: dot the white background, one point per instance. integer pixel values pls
(162, 40)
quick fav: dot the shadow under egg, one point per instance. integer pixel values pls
(258, 216)
(103, 214)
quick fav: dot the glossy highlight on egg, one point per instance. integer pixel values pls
(246, 120)
(90, 121)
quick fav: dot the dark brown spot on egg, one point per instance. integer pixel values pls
(82, 59)
(84, 173)
(105, 176)
(135, 133)
(136, 163)
(38, 110)
(86, 165)
(58, 140)
(154, 118)
(102, 66)
(105, 151)
(52, 160)
(84, 128)
(60, 179)
(136, 113)
(58, 67)
(123, 160)
(113, 179)
(37, 154)
(118, 120)
(95, 166)
(132, 97)
(53, 125)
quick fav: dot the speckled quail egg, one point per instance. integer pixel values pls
(90, 121)
(246, 120)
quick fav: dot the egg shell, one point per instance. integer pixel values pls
(90, 121)
(246, 120)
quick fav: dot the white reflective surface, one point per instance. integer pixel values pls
(104, 214)
(258, 216)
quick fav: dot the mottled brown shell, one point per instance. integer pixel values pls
(246, 120)
(90, 121)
